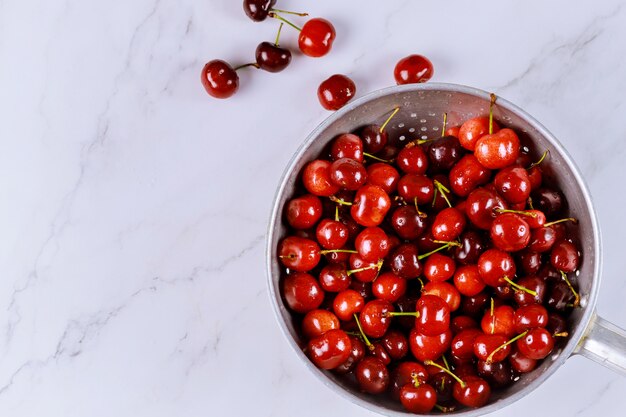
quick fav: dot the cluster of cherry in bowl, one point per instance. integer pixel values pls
(433, 271)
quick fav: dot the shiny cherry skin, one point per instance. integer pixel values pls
(299, 254)
(494, 265)
(334, 92)
(302, 292)
(532, 283)
(356, 354)
(473, 129)
(434, 315)
(384, 176)
(513, 184)
(405, 261)
(389, 287)
(403, 374)
(348, 174)
(372, 375)
(556, 324)
(418, 400)
(446, 291)
(472, 245)
(396, 344)
(460, 323)
(412, 160)
(475, 305)
(347, 303)
(370, 206)
(330, 350)
(467, 280)
(271, 57)
(317, 322)
(462, 348)
(429, 348)
(475, 392)
(347, 145)
(372, 244)
(498, 150)
(439, 268)
(497, 374)
(331, 234)
(536, 219)
(374, 318)
(549, 201)
(481, 206)
(509, 232)
(378, 350)
(564, 256)
(542, 239)
(529, 261)
(373, 139)
(467, 174)
(537, 344)
(316, 37)
(416, 189)
(449, 224)
(316, 178)
(219, 79)
(407, 222)
(521, 363)
(413, 69)
(529, 317)
(334, 278)
(502, 321)
(560, 297)
(304, 212)
(487, 344)
(257, 10)
(443, 153)
(368, 272)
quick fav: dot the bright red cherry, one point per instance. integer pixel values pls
(347, 145)
(513, 184)
(474, 129)
(413, 69)
(462, 348)
(317, 180)
(372, 244)
(446, 291)
(491, 347)
(467, 280)
(468, 174)
(299, 254)
(302, 292)
(389, 287)
(347, 303)
(429, 348)
(317, 322)
(564, 256)
(449, 224)
(334, 278)
(510, 233)
(439, 267)
(316, 37)
(330, 350)
(331, 234)
(521, 363)
(498, 150)
(372, 375)
(530, 316)
(494, 266)
(536, 344)
(502, 321)
(383, 175)
(356, 354)
(418, 399)
(219, 79)
(334, 92)
(375, 318)
(416, 189)
(348, 174)
(405, 373)
(412, 160)
(303, 212)
(434, 315)
(474, 392)
(370, 206)
(481, 207)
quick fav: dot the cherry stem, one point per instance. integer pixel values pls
(337, 213)
(377, 265)
(445, 362)
(374, 157)
(571, 287)
(325, 251)
(491, 104)
(282, 19)
(530, 203)
(415, 314)
(543, 156)
(251, 64)
(421, 284)
(415, 379)
(520, 287)
(382, 128)
(419, 142)
(365, 339)
(440, 248)
(502, 346)
(443, 128)
(290, 256)
(288, 12)
(400, 199)
(561, 334)
(419, 213)
(493, 317)
(280, 28)
(520, 212)
(339, 201)
(444, 409)
(443, 190)
(569, 219)
(436, 365)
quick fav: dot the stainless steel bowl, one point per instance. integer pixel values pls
(421, 111)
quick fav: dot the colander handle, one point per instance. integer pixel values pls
(605, 343)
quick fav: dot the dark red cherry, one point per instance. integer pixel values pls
(389, 287)
(302, 292)
(443, 153)
(347, 145)
(331, 234)
(542, 239)
(316, 37)
(460, 323)
(475, 305)
(462, 348)
(560, 297)
(510, 233)
(330, 350)
(258, 10)
(348, 174)
(419, 399)
(467, 174)
(474, 392)
(356, 354)
(396, 344)
(534, 284)
(372, 244)
(383, 175)
(375, 319)
(219, 79)
(405, 261)
(303, 212)
(429, 348)
(549, 201)
(370, 206)
(407, 222)
(513, 184)
(403, 374)
(334, 278)
(537, 344)
(497, 374)
(412, 160)
(449, 224)
(529, 261)
(564, 256)
(498, 150)
(521, 363)
(317, 322)
(481, 207)
(334, 92)
(416, 189)
(413, 69)
(473, 129)
(298, 254)
(494, 266)
(373, 139)
(467, 280)
(372, 375)
(316, 178)
(271, 57)
(347, 303)
(472, 245)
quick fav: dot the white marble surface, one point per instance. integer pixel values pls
(133, 207)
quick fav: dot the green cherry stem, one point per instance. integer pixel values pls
(325, 251)
(288, 12)
(436, 365)
(339, 201)
(440, 248)
(251, 64)
(520, 212)
(280, 28)
(493, 317)
(374, 157)
(395, 111)
(569, 219)
(491, 104)
(543, 156)
(415, 379)
(443, 128)
(502, 346)
(363, 336)
(444, 409)
(377, 265)
(530, 203)
(282, 19)
(443, 190)
(520, 287)
(415, 314)
(571, 287)
(337, 213)
(419, 213)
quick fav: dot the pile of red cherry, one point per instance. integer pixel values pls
(433, 271)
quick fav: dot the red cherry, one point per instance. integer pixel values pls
(405, 261)
(446, 291)
(510, 233)
(373, 138)
(316, 37)
(257, 10)
(317, 322)
(375, 319)
(513, 184)
(372, 244)
(412, 160)
(347, 145)
(370, 206)
(316, 178)
(356, 354)
(334, 278)
(364, 271)
(416, 189)
(468, 174)
(372, 375)
(530, 316)
(302, 292)
(396, 344)
(481, 206)
(474, 129)
(537, 344)
(219, 79)
(389, 287)
(460, 323)
(491, 348)
(521, 363)
(472, 245)
(303, 212)
(404, 374)
(418, 399)
(462, 348)
(347, 303)
(335, 91)
(298, 253)
(535, 218)
(331, 234)
(532, 283)
(502, 321)
(448, 225)
(413, 69)
(407, 222)
(383, 175)
(330, 350)
(542, 239)
(467, 280)
(475, 392)
(429, 348)
(564, 256)
(439, 267)
(434, 315)
(494, 266)
(498, 150)
(348, 174)
(271, 57)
